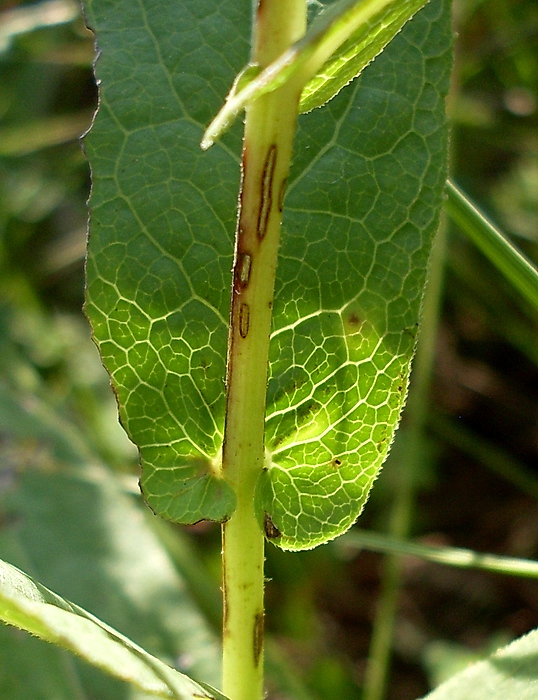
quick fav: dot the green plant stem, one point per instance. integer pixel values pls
(500, 251)
(415, 418)
(269, 130)
(449, 556)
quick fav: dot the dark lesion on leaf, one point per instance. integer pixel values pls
(411, 330)
(280, 440)
(305, 412)
(353, 321)
(271, 530)
(402, 383)
(381, 444)
(336, 462)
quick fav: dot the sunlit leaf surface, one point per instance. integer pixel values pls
(379, 26)
(362, 208)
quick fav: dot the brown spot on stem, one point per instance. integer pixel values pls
(244, 264)
(244, 320)
(258, 637)
(260, 10)
(266, 192)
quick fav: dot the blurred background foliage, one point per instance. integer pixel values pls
(70, 514)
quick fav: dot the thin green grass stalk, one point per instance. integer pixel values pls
(415, 419)
(269, 129)
(489, 239)
(448, 556)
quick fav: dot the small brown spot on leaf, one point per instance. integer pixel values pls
(411, 330)
(271, 530)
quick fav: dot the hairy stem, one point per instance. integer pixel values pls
(269, 129)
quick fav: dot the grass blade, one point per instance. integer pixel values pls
(450, 556)
(500, 251)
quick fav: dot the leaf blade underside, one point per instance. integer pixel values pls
(359, 219)
(160, 245)
(362, 208)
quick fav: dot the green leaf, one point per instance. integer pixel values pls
(161, 239)
(450, 556)
(87, 539)
(31, 607)
(362, 208)
(353, 39)
(509, 674)
(338, 45)
(360, 215)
